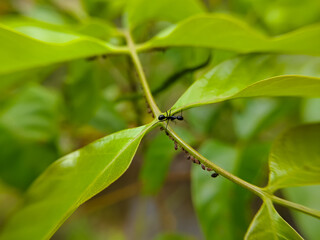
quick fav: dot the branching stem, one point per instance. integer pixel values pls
(262, 193)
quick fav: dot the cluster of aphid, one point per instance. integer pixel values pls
(189, 156)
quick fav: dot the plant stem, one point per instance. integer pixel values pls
(296, 206)
(256, 190)
(263, 194)
(142, 77)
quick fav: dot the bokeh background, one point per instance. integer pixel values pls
(48, 112)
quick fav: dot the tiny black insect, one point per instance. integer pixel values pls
(169, 117)
(214, 175)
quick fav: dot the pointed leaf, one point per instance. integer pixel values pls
(253, 76)
(225, 32)
(71, 181)
(269, 225)
(295, 158)
(39, 45)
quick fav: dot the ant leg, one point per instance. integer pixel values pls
(167, 125)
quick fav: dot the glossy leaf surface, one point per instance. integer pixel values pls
(140, 11)
(225, 32)
(70, 181)
(253, 76)
(32, 46)
(295, 158)
(269, 225)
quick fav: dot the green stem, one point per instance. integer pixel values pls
(256, 190)
(142, 77)
(262, 193)
(296, 206)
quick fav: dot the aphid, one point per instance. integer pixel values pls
(175, 145)
(203, 167)
(92, 58)
(214, 175)
(188, 157)
(196, 161)
(209, 169)
(169, 117)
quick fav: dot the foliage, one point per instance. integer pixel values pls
(67, 78)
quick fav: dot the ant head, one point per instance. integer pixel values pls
(161, 117)
(180, 118)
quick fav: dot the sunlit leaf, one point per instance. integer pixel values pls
(34, 46)
(140, 11)
(70, 181)
(253, 76)
(295, 158)
(225, 32)
(269, 225)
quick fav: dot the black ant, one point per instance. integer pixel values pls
(169, 117)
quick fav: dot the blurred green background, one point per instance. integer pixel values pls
(48, 112)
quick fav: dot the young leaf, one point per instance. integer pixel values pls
(252, 76)
(295, 158)
(269, 225)
(140, 11)
(35, 46)
(225, 32)
(71, 181)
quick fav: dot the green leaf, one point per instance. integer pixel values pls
(141, 11)
(32, 114)
(295, 158)
(156, 164)
(253, 76)
(269, 225)
(225, 32)
(71, 181)
(30, 46)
